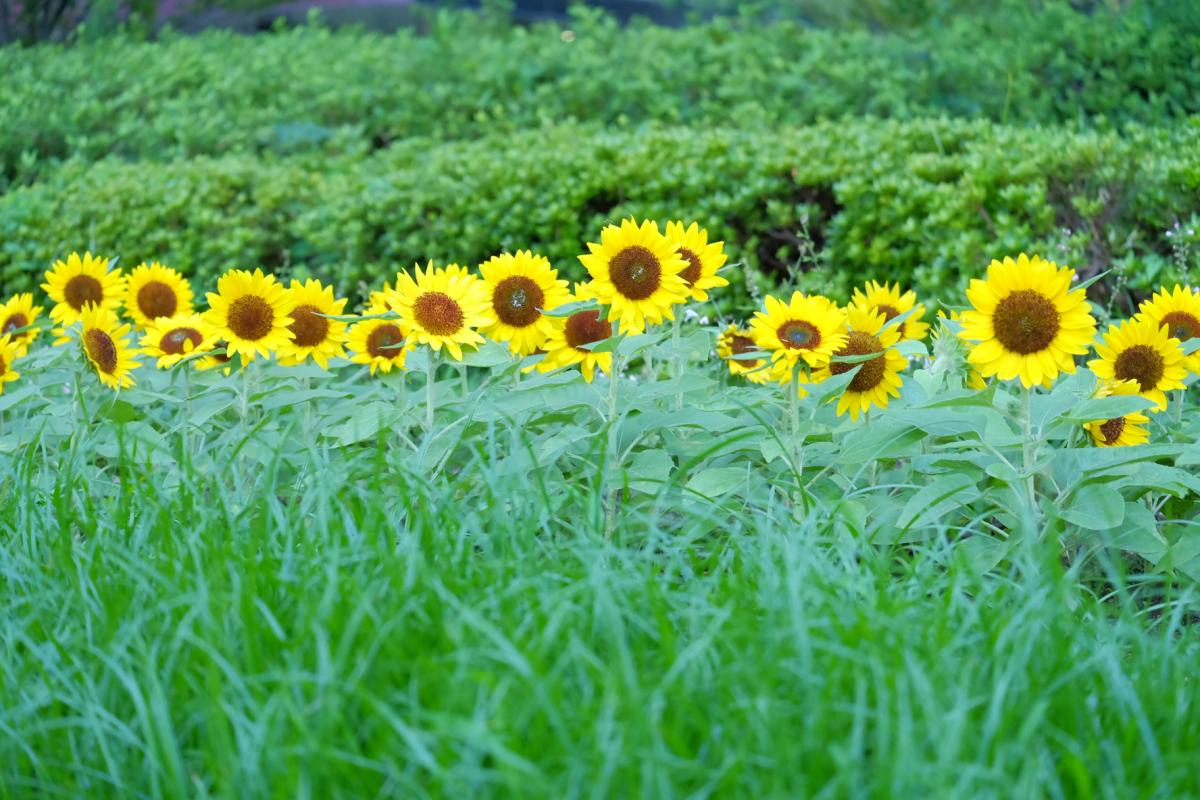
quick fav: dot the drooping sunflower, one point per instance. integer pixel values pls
(735, 341)
(441, 308)
(1120, 431)
(20, 312)
(808, 328)
(10, 351)
(1027, 322)
(172, 339)
(105, 343)
(567, 343)
(703, 259)
(153, 291)
(519, 288)
(878, 379)
(80, 282)
(1179, 312)
(1141, 350)
(888, 300)
(949, 347)
(250, 312)
(314, 334)
(381, 343)
(637, 273)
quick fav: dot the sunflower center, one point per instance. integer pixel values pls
(14, 322)
(221, 355)
(1140, 363)
(101, 350)
(586, 327)
(691, 273)
(438, 313)
(251, 317)
(82, 290)
(516, 300)
(1182, 324)
(1111, 430)
(1025, 322)
(888, 311)
(3, 366)
(385, 341)
(859, 343)
(744, 344)
(636, 272)
(799, 335)
(156, 299)
(174, 341)
(308, 326)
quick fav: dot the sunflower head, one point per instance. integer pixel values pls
(105, 344)
(1179, 312)
(442, 307)
(169, 340)
(703, 259)
(949, 353)
(519, 288)
(887, 299)
(380, 343)
(10, 351)
(1026, 321)
(20, 312)
(80, 282)
(314, 335)
(153, 291)
(806, 328)
(570, 337)
(638, 273)
(250, 312)
(877, 379)
(735, 341)
(1121, 431)
(1143, 351)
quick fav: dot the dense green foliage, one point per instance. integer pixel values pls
(925, 203)
(468, 76)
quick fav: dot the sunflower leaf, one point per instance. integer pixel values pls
(568, 309)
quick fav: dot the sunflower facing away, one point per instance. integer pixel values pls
(1121, 431)
(153, 291)
(567, 343)
(1027, 322)
(314, 335)
(637, 273)
(734, 341)
(808, 328)
(79, 282)
(20, 312)
(519, 287)
(1179, 312)
(381, 343)
(172, 339)
(218, 359)
(10, 351)
(1141, 350)
(250, 312)
(945, 342)
(878, 378)
(887, 299)
(442, 308)
(105, 342)
(704, 258)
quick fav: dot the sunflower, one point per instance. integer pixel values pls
(381, 343)
(1141, 350)
(568, 340)
(250, 311)
(172, 339)
(808, 328)
(218, 359)
(891, 302)
(442, 307)
(313, 334)
(379, 297)
(520, 287)
(638, 273)
(734, 341)
(77, 283)
(1179, 312)
(877, 378)
(10, 351)
(20, 312)
(105, 342)
(703, 259)
(1120, 431)
(153, 291)
(951, 344)
(1027, 322)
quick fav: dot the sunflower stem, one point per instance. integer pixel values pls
(430, 388)
(610, 456)
(1028, 451)
(1179, 393)
(677, 362)
(794, 414)
(187, 405)
(245, 405)
(465, 378)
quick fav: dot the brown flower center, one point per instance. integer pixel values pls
(888, 311)
(3, 366)
(799, 335)
(1025, 322)
(691, 273)
(15, 322)
(635, 272)
(1111, 430)
(744, 344)
(438, 313)
(386, 341)
(173, 341)
(251, 317)
(516, 300)
(83, 290)
(859, 343)
(101, 350)
(156, 299)
(1140, 363)
(308, 326)
(1182, 324)
(221, 353)
(586, 327)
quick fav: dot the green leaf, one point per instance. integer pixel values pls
(716, 481)
(938, 501)
(1096, 507)
(648, 470)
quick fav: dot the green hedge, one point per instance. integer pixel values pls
(922, 202)
(346, 92)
